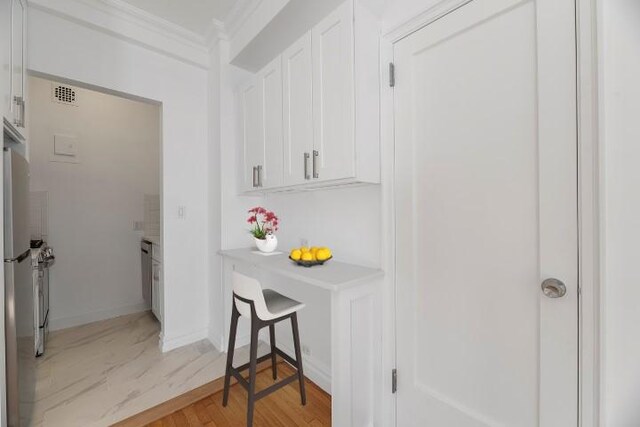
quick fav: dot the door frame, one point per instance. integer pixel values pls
(589, 184)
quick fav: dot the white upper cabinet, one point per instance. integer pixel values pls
(18, 17)
(252, 146)
(13, 56)
(5, 58)
(333, 121)
(318, 124)
(270, 121)
(297, 80)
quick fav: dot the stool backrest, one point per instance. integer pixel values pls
(249, 288)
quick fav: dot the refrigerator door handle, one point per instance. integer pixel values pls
(20, 257)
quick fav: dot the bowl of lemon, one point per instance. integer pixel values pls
(308, 257)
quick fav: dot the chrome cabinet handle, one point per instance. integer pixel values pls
(553, 288)
(253, 183)
(315, 164)
(259, 168)
(306, 166)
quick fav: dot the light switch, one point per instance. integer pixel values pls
(181, 212)
(65, 145)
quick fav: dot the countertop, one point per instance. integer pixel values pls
(333, 275)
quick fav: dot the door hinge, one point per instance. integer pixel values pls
(394, 380)
(392, 75)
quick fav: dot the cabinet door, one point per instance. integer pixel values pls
(156, 290)
(333, 99)
(154, 287)
(18, 16)
(160, 298)
(297, 101)
(252, 147)
(5, 58)
(270, 114)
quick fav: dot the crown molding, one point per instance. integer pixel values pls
(125, 10)
(130, 23)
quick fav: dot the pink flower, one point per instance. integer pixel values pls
(263, 221)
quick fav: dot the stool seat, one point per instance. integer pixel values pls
(279, 305)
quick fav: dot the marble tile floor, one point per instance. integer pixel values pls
(104, 372)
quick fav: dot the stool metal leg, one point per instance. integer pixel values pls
(296, 343)
(255, 328)
(232, 345)
(272, 338)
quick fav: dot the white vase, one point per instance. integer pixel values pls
(268, 244)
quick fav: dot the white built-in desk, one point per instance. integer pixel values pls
(340, 325)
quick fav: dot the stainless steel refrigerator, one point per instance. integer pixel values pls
(19, 315)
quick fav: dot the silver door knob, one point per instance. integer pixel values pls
(553, 288)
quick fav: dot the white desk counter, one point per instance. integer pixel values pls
(333, 275)
(343, 359)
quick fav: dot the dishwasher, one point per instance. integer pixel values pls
(147, 277)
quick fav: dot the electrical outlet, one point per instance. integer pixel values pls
(304, 241)
(306, 350)
(182, 212)
(138, 225)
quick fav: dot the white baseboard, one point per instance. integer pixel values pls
(82, 319)
(170, 343)
(313, 369)
(217, 342)
(241, 341)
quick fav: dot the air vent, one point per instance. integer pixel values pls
(64, 95)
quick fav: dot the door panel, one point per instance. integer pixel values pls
(252, 148)
(486, 204)
(333, 95)
(270, 100)
(17, 57)
(298, 112)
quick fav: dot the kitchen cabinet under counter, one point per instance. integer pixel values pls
(340, 324)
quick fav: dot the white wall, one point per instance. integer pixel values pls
(620, 68)
(92, 205)
(86, 53)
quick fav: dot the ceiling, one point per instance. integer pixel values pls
(194, 15)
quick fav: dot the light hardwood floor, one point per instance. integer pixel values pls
(281, 408)
(104, 372)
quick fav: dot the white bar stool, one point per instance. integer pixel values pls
(264, 308)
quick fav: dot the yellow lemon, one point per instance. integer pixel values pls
(296, 254)
(323, 254)
(314, 250)
(307, 256)
(328, 251)
(304, 249)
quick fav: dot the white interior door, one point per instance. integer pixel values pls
(486, 208)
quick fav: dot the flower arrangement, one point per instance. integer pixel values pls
(264, 222)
